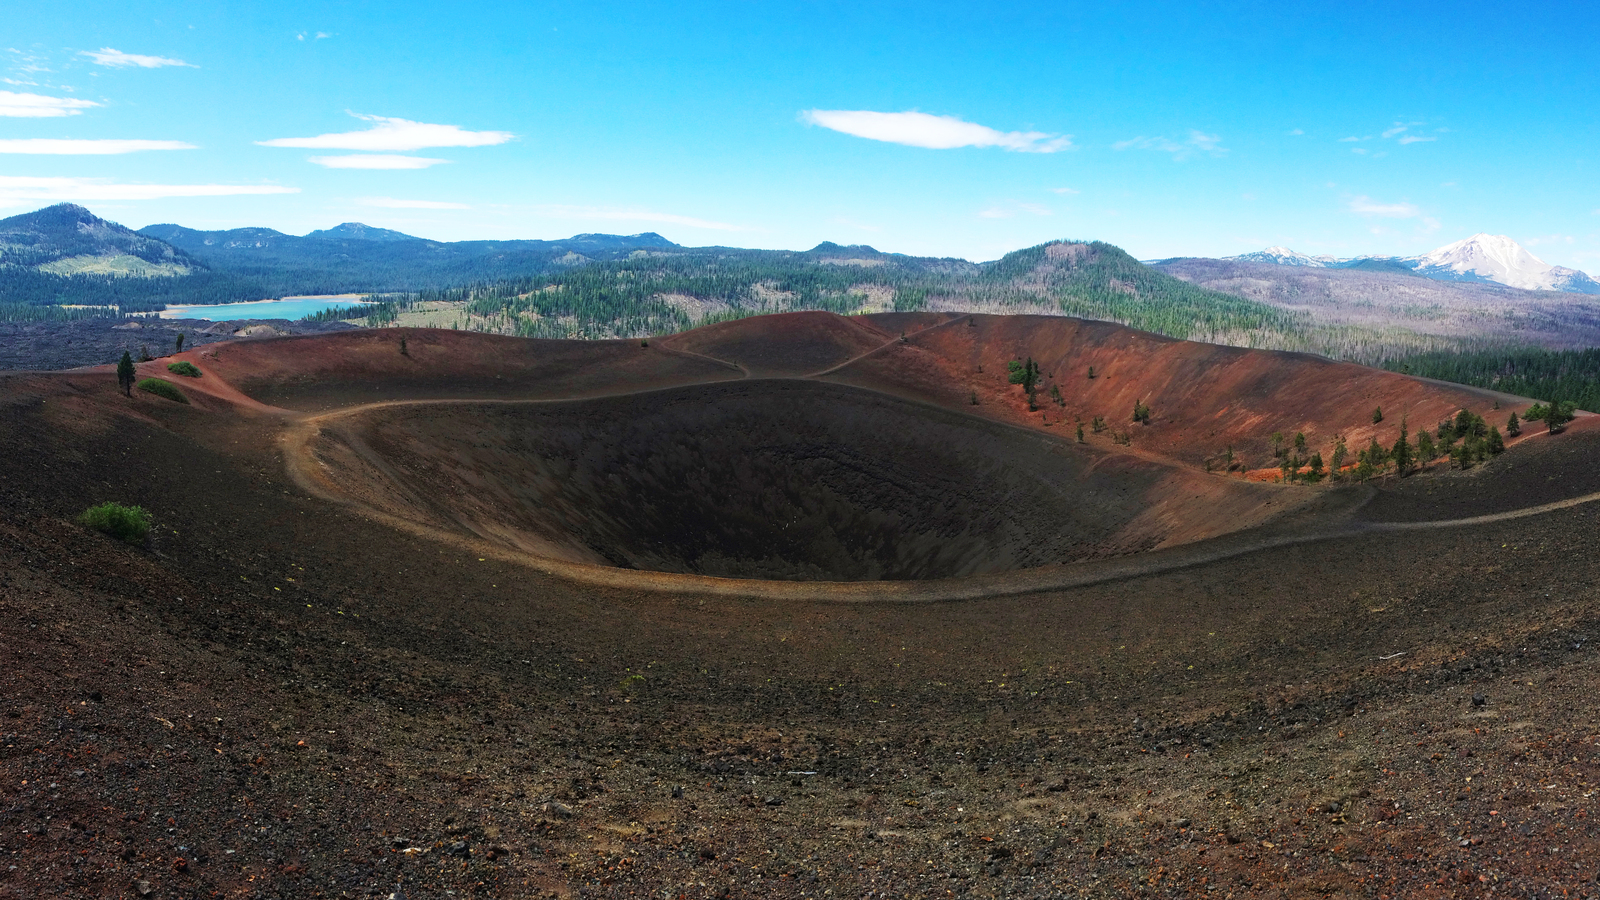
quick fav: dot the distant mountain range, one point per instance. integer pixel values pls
(1482, 258)
(65, 255)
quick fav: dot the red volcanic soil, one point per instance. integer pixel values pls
(1204, 398)
(791, 344)
(1385, 691)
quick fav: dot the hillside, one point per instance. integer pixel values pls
(1376, 314)
(384, 618)
(357, 258)
(68, 240)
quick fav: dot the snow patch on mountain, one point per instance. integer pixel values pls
(1487, 258)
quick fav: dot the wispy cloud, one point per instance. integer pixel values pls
(1394, 130)
(1065, 191)
(1413, 139)
(390, 134)
(376, 161)
(14, 187)
(858, 225)
(62, 147)
(38, 106)
(1366, 206)
(116, 59)
(393, 203)
(316, 36)
(1197, 142)
(1011, 208)
(632, 215)
(1297, 131)
(917, 129)
(1351, 140)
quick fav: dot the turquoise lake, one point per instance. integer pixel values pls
(287, 308)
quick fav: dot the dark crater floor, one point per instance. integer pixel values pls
(781, 480)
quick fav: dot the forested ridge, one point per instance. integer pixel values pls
(1569, 376)
(611, 286)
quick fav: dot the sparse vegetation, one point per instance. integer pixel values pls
(1141, 412)
(126, 373)
(185, 368)
(125, 523)
(161, 388)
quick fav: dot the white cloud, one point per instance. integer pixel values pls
(389, 134)
(916, 129)
(1413, 139)
(392, 203)
(859, 225)
(38, 106)
(1360, 150)
(1010, 208)
(1297, 131)
(321, 35)
(29, 188)
(632, 215)
(57, 147)
(116, 59)
(1065, 191)
(1394, 130)
(1366, 206)
(1349, 140)
(1197, 142)
(376, 161)
(1548, 239)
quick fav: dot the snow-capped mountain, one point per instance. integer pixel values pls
(1497, 258)
(1283, 256)
(1490, 258)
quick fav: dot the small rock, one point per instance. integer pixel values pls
(1181, 823)
(774, 801)
(557, 808)
(677, 793)
(458, 848)
(143, 887)
(400, 843)
(1479, 699)
(1331, 807)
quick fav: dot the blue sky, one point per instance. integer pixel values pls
(968, 130)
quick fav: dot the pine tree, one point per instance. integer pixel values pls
(1401, 454)
(1426, 451)
(1339, 453)
(1496, 444)
(126, 373)
(1300, 443)
(1514, 426)
(1315, 475)
(1377, 415)
(180, 343)
(1377, 457)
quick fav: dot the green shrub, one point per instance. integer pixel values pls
(186, 369)
(125, 523)
(162, 389)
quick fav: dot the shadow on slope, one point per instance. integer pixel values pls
(790, 480)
